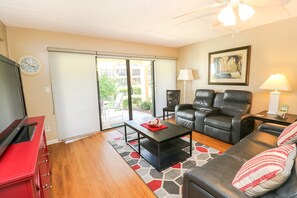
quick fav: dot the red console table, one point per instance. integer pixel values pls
(25, 168)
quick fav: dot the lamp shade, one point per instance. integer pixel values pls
(276, 82)
(185, 74)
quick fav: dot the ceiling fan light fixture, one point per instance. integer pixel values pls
(227, 16)
(245, 11)
(230, 22)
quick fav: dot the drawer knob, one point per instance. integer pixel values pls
(44, 155)
(46, 175)
(46, 186)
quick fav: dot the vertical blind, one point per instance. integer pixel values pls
(75, 94)
(165, 79)
(74, 85)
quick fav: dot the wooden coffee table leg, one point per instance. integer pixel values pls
(125, 133)
(138, 137)
(191, 143)
(159, 160)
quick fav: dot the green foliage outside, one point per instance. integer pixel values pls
(136, 101)
(108, 90)
(107, 87)
(146, 105)
(122, 90)
(136, 90)
(125, 103)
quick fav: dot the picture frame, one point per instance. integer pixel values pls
(229, 67)
(284, 108)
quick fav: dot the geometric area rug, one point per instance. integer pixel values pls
(168, 183)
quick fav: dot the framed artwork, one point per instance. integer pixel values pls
(284, 108)
(229, 67)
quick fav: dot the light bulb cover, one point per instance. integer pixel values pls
(227, 16)
(245, 11)
(230, 22)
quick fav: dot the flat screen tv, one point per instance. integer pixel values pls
(12, 104)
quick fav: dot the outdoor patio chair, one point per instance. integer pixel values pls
(112, 111)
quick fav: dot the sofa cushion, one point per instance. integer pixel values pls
(217, 102)
(251, 145)
(236, 102)
(289, 135)
(188, 114)
(219, 121)
(219, 134)
(203, 98)
(214, 177)
(288, 189)
(266, 171)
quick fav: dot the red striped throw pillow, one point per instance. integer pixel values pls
(266, 171)
(289, 135)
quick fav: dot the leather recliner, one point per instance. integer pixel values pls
(201, 115)
(185, 113)
(233, 121)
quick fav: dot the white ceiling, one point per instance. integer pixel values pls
(145, 21)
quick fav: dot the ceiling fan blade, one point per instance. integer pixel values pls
(214, 5)
(196, 17)
(267, 3)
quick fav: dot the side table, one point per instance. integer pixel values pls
(264, 117)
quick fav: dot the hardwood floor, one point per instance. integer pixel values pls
(90, 167)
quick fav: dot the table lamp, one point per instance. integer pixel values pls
(276, 82)
(185, 75)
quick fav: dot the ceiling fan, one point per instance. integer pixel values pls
(231, 9)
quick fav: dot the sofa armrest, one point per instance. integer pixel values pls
(212, 180)
(242, 125)
(210, 109)
(274, 129)
(183, 107)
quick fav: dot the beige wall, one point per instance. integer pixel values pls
(23, 42)
(3, 40)
(274, 50)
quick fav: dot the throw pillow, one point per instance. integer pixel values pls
(266, 171)
(289, 135)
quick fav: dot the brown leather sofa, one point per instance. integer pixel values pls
(224, 116)
(214, 178)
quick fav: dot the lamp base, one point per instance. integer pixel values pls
(273, 102)
(185, 87)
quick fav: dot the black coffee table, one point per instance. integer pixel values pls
(162, 148)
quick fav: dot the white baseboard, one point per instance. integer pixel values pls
(55, 141)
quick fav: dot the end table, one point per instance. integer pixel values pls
(264, 117)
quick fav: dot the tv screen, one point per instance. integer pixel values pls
(12, 104)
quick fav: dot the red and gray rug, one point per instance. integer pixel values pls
(167, 183)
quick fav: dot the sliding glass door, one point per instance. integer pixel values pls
(142, 88)
(125, 90)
